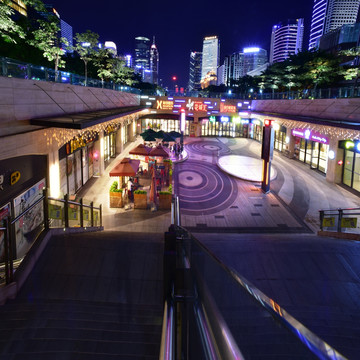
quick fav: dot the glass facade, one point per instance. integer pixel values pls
(279, 140)
(217, 128)
(351, 170)
(313, 153)
(165, 125)
(109, 147)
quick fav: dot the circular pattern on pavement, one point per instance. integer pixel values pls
(204, 189)
(208, 147)
(244, 167)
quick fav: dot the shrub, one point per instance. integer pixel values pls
(140, 192)
(114, 187)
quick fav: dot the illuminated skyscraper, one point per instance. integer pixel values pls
(210, 57)
(195, 70)
(154, 63)
(67, 33)
(286, 39)
(254, 57)
(142, 55)
(329, 15)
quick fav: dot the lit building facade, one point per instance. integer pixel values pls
(195, 70)
(67, 33)
(154, 63)
(142, 55)
(286, 39)
(329, 15)
(254, 57)
(210, 57)
(343, 38)
(234, 67)
(18, 6)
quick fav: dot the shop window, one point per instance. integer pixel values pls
(348, 167)
(356, 179)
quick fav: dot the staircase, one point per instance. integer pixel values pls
(90, 296)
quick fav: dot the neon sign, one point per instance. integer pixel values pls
(310, 135)
(164, 105)
(199, 106)
(227, 108)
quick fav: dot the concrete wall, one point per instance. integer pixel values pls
(336, 109)
(22, 100)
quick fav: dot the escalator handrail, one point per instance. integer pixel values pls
(318, 346)
(167, 347)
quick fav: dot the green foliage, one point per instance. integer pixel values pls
(114, 187)
(140, 192)
(10, 31)
(168, 192)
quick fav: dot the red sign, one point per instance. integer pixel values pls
(224, 108)
(199, 106)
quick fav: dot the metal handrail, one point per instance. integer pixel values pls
(319, 347)
(73, 203)
(27, 210)
(346, 209)
(167, 347)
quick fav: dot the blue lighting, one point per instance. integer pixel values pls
(170, 98)
(180, 101)
(207, 102)
(224, 119)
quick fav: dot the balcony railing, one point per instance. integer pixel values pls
(21, 70)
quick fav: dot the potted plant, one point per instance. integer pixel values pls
(140, 199)
(116, 196)
(165, 198)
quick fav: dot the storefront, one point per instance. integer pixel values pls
(217, 126)
(76, 162)
(256, 129)
(351, 163)
(279, 137)
(110, 142)
(164, 124)
(22, 180)
(311, 148)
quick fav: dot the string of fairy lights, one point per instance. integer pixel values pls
(59, 137)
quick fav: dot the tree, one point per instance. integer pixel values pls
(351, 72)
(46, 38)
(10, 31)
(122, 74)
(85, 46)
(103, 63)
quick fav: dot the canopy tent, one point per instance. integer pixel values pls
(160, 134)
(148, 136)
(168, 138)
(126, 167)
(159, 151)
(175, 134)
(141, 149)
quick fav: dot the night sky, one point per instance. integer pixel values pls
(179, 27)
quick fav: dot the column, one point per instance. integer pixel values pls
(334, 170)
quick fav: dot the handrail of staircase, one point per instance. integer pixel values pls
(167, 347)
(318, 346)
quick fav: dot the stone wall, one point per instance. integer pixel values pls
(22, 100)
(334, 109)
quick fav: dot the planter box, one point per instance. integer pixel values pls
(165, 201)
(116, 200)
(140, 201)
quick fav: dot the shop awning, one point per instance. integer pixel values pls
(159, 151)
(141, 149)
(85, 119)
(126, 167)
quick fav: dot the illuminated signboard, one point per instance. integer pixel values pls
(200, 106)
(164, 105)
(212, 118)
(227, 108)
(224, 119)
(310, 135)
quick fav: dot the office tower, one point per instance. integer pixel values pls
(254, 57)
(210, 57)
(195, 70)
(154, 63)
(221, 75)
(67, 33)
(234, 67)
(18, 6)
(329, 15)
(111, 46)
(343, 38)
(142, 55)
(286, 39)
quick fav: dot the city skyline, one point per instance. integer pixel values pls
(182, 30)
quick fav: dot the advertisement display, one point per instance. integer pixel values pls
(29, 225)
(4, 213)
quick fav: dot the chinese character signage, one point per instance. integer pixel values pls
(227, 108)
(164, 105)
(199, 106)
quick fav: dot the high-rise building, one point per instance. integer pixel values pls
(142, 55)
(210, 57)
(154, 63)
(195, 70)
(18, 6)
(254, 57)
(221, 75)
(234, 67)
(67, 33)
(286, 39)
(329, 15)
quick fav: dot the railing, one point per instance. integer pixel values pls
(167, 347)
(340, 220)
(21, 70)
(21, 232)
(219, 309)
